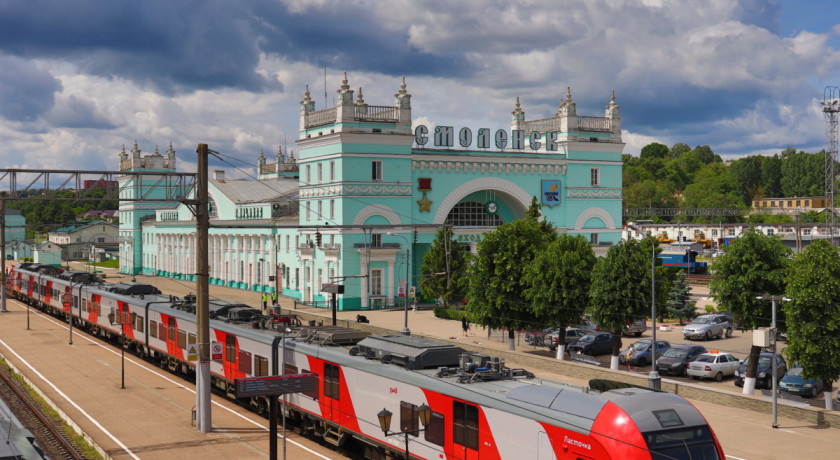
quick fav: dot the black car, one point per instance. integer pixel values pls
(597, 343)
(675, 359)
(764, 372)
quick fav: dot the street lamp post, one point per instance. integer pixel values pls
(405, 329)
(425, 414)
(773, 369)
(654, 381)
(119, 322)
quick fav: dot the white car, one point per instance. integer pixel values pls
(714, 365)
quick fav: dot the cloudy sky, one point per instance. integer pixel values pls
(80, 79)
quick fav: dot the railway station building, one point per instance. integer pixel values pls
(360, 204)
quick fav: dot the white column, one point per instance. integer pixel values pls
(363, 270)
(390, 289)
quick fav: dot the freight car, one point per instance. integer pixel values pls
(684, 260)
(480, 408)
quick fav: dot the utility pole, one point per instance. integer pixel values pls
(202, 224)
(3, 251)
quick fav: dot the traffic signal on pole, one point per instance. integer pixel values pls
(318, 238)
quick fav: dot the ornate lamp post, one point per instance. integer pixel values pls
(385, 415)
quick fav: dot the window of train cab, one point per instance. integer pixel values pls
(465, 424)
(331, 381)
(410, 422)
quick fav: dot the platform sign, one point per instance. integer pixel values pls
(215, 351)
(192, 352)
(412, 292)
(276, 385)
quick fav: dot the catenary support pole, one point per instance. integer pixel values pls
(3, 251)
(773, 360)
(202, 219)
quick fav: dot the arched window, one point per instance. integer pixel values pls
(472, 214)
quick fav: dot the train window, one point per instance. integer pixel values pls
(173, 331)
(245, 361)
(162, 331)
(289, 369)
(84, 305)
(435, 432)
(138, 324)
(409, 418)
(182, 339)
(153, 328)
(682, 444)
(465, 424)
(311, 394)
(331, 381)
(230, 344)
(191, 339)
(260, 366)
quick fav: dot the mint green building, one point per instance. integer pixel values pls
(362, 202)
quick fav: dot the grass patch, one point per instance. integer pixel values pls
(88, 451)
(111, 263)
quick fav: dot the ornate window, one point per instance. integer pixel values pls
(472, 214)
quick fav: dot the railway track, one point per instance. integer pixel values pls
(48, 433)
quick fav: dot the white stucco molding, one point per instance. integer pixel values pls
(480, 185)
(589, 213)
(377, 210)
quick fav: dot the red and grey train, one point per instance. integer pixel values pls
(480, 408)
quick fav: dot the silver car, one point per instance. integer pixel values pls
(708, 326)
(713, 365)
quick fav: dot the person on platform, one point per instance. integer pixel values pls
(265, 300)
(465, 325)
(274, 298)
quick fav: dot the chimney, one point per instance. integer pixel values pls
(218, 174)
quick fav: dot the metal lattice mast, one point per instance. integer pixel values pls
(831, 106)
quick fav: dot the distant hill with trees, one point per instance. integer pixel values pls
(49, 214)
(679, 176)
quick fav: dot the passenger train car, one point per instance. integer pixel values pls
(480, 408)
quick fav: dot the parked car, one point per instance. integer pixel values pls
(794, 383)
(635, 327)
(764, 372)
(588, 325)
(675, 359)
(536, 338)
(639, 353)
(713, 364)
(572, 336)
(596, 343)
(708, 326)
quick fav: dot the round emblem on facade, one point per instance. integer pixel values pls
(492, 207)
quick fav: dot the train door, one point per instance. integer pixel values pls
(544, 449)
(332, 392)
(465, 430)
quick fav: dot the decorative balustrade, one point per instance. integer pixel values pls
(321, 117)
(598, 124)
(542, 126)
(376, 113)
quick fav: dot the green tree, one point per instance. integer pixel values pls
(496, 292)
(803, 174)
(746, 173)
(771, 176)
(558, 280)
(678, 149)
(654, 150)
(679, 302)
(449, 258)
(753, 265)
(813, 313)
(620, 289)
(706, 155)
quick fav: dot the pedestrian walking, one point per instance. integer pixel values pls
(265, 301)
(465, 325)
(274, 298)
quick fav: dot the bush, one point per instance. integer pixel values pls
(451, 313)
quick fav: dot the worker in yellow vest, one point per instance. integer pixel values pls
(265, 300)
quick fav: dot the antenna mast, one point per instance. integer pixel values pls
(831, 106)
